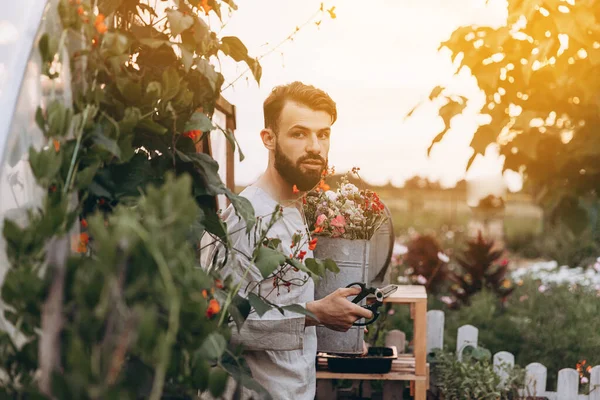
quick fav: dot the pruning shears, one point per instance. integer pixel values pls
(380, 294)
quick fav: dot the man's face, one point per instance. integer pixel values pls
(302, 145)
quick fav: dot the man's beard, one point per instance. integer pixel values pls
(292, 173)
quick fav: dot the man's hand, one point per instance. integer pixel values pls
(336, 312)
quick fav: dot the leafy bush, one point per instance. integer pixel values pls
(479, 270)
(474, 378)
(428, 265)
(553, 325)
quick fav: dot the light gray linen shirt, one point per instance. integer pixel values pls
(279, 349)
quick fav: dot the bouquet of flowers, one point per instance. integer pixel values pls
(347, 213)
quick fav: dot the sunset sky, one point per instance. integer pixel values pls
(377, 59)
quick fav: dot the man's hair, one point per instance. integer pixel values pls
(300, 93)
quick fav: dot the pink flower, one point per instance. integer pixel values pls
(339, 222)
(542, 288)
(392, 311)
(446, 300)
(421, 280)
(584, 380)
(320, 219)
(523, 298)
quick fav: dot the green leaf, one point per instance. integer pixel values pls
(179, 22)
(218, 381)
(213, 346)
(146, 7)
(40, 120)
(447, 112)
(59, 119)
(86, 176)
(239, 310)
(147, 125)
(45, 164)
(108, 7)
(258, 304)
(298, 309)
(316, 266)
(131, 118)
(435, 92)
(106, 143)
(199, 122)
(331, 265)
(200, 374)
(170, 84)
(187, 57)
(268, 260)
(154, 43)
(206, 69)
(231, 4)
(209, 170)
(131, 91)
(115, 43)
(234, 48)
(255, 68)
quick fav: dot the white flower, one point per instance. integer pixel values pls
(331, 195)
(584, 380)
(443, 257)
(349, 189)
(403, 279)
(421, 280)
(597, 266)
(399, 250)
(542, 288)
(446, 299)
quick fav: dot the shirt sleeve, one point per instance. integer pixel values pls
(273, 331)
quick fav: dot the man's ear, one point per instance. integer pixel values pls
(269, 138)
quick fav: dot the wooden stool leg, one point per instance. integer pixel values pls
(420, 390)
(392, 390)
(420, 349)
(325, 390)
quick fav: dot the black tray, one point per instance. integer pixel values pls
(377, 361)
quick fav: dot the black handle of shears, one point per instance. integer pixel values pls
(364, 292)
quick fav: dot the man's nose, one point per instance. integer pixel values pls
(313, 145)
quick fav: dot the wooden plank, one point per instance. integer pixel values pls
(390, 376)
(503, 363)
(435, 330)
(225, 107)
(535, 379)
(568, 384)
(420, 346)
(407, 294)
(595, 383)
(467, 336)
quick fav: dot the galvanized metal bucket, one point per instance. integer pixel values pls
(352, 257)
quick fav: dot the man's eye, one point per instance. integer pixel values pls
(298, 134)
(324, 135)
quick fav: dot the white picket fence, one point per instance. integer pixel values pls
(535, 375)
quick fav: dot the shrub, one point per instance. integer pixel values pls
(479, 269)
(474, 378)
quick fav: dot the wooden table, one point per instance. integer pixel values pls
(408, 367)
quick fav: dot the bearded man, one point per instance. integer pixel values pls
(281, 349)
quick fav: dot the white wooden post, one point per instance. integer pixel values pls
(467, 336)
(595, 383)
(396, 338)
(535, 380)
(435, 330)
(503, 362)
(568, 384)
